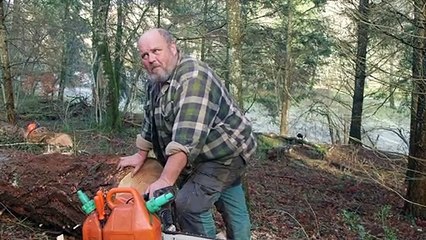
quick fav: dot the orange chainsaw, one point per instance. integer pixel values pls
(127, 216)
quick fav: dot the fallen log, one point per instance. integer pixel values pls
(42, 188)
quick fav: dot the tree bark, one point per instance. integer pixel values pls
(5, 67)
(286, 83)
(159, 14)
(416, 173)
(43, 188)
(117, 67)
(235, 44)
(204, 31)
(98, 92)
(66, 49)
(360, 75)
(113, 92)
(100, 37)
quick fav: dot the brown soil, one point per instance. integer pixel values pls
(349, 194)
(298, 194)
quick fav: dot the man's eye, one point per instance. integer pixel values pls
(156, 51)
(144, 56)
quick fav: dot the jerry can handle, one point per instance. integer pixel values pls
(112, 203)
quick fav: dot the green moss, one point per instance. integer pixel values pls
(265, 143)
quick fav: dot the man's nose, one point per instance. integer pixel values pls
(151, 58)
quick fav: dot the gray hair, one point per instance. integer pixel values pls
(166, 35)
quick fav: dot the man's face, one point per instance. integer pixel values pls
(159, 58)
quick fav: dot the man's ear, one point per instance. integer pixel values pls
(173, 48)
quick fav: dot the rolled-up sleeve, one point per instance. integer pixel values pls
(142, 143)
(175, 147)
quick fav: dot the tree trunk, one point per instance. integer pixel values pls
(66, 48)
(43, 188)
(159, 14)
(5, 66)
(392, 83)
(360, 75)
(112, 117)
(118, 76)
(416, 173)
(132, 91)
(97, 93)
(417, 74)
(235, 37)
(286, 83)
(228, 61)
(119, 54)
(100, 13)
(205, 29)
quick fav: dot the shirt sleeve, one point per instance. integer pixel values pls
(142, 143)
(197, 100)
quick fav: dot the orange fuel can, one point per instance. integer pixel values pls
(92, 229)
(129, 218)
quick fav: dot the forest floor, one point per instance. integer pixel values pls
(296, 190)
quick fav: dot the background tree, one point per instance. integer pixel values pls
(67, 47)
(5, 64)
(235, 44)
(285, 82)
(101, 9)
(360, 72)
(131, 73)
(416, 174)
(73, 61)
(297, 44)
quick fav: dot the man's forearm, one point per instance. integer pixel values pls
(143, 153)
(174, 166)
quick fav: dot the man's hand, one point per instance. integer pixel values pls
(159, 184)
(136, 160)
(174, 165)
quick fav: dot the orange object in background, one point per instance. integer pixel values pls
(129, 218)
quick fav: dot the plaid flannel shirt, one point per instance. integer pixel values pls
(194, 113)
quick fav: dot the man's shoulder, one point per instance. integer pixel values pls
(191, 64)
